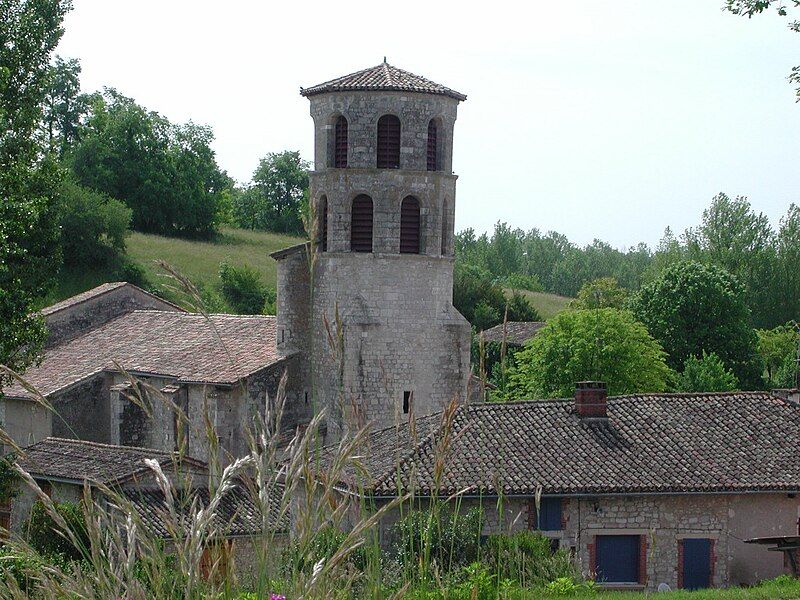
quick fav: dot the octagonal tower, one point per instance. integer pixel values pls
(383, 191)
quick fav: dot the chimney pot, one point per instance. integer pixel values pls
(591, 399)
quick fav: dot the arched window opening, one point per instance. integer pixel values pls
(322, 224)
(445, 226)
(388, 142)
(361, 224)
(433, 164)
(409, 226)
(340, 143)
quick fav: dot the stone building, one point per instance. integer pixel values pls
(646, 489)
(368, 306)
(118, 358)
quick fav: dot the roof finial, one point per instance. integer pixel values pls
(384, 60)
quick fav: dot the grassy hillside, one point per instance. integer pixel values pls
(197, 260)
(548, 305)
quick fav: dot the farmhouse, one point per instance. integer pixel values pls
(646, 489)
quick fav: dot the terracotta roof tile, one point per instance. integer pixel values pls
(218, 349)
(651, 443)
(516, 332)
(382, 77)
(79, 461)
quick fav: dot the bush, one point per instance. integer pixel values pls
(438, 539)
(705, 374)
(326, 542)
(45, 536)
(243, 290)
(527, 559)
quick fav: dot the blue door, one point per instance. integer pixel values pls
(617, 558)
(696, 563)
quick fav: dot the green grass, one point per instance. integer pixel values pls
(197, 260)
(548, 305)
(783, 587)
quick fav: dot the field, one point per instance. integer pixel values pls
(197, 260)
(548, 305)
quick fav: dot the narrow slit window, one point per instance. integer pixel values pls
(340, 144)
(361, 224)
(322, 220)
(388, 142)
(407, 397)
(445, 227)
(409, 226)
(433, 164)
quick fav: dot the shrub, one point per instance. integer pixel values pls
(705, 374)
(44, 535)
(527, 558)
(438, 539)
(326, 542)
(243, 290)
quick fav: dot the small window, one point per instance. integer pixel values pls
(361, 224)
(407, 397)
(445, 226)
(617, 558)
(388, 142)
(340, 143)
(322, 224)
(433, 164)
(549, 516)
(46, 487)
(409, 226)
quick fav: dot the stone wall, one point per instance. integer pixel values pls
(25, 421)
(82, 411)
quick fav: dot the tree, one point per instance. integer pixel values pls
(750, 8)
(93, 226)
(274, 199)
(243, 290)
(786, 285)
(483, 302)
(601, 293)
(776, 347)
(740, 241)
(603, 344)
(64, 105)
(165, 173)
(29, 257)
(705, 374)
(691, 308)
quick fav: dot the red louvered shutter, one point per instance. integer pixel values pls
(388, 142)
(409, 226)
(432, 141)
(361, 224)
(340, 144)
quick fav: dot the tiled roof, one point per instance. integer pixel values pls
(76, 460)
(516, 332)
(382, 77)
(237, 513)
(191, 347)
(94, 293)
(651, 443)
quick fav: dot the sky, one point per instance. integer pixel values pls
(597, 119)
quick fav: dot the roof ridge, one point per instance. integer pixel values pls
(73, 441)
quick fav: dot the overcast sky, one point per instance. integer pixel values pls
(596, 119)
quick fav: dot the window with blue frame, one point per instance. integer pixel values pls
(549, 517)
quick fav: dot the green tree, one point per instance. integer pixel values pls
(777, 346)
(786, 285)
(740, 241)
(274, 199)
(64, 105)
(705, 374)
(243, 290)
(42, 531)
(693, 307)
(483, 302)
(166, 173)
(750, 8)
(29, 256)
(93, 226)
(601, 293)
(603, 344)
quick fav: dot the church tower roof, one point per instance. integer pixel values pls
(382, 77)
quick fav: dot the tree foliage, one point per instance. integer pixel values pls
(693, 308)
(603, 344)
(29, 181)
(244, 291)
(64, 105)
(706, 373)
(778, 347)
(601, 293)
(166, 173)
(42, 531)
(274, 199)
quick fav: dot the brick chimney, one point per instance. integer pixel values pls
(590, 399)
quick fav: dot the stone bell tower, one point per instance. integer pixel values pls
(367, 308)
